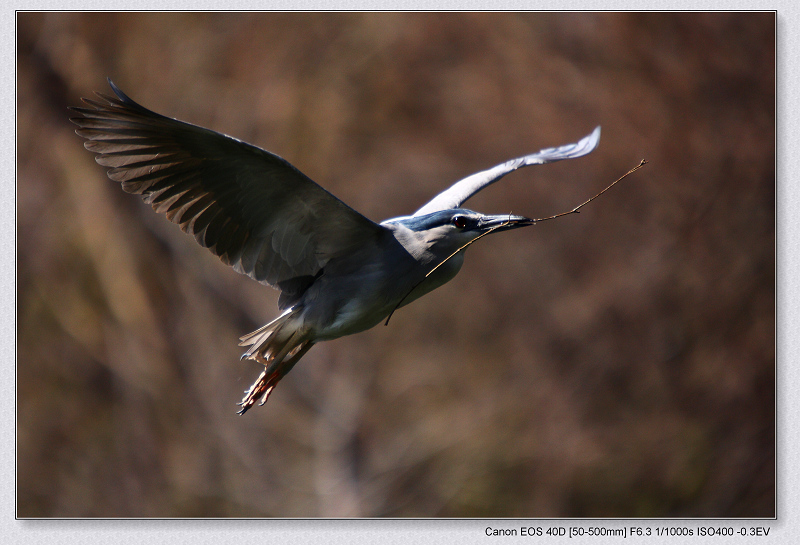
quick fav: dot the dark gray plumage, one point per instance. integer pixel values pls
(338, 272)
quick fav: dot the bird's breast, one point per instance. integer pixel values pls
(342, 304)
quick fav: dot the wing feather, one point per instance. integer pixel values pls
(251, 208)
(462, 190)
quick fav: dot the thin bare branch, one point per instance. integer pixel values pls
(575, 210)
(442, 263)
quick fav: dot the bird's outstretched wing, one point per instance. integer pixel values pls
(462, 190)
(251, 208)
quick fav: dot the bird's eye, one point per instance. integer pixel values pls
(459, 221)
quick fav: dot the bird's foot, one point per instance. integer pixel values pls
(260, 389)
(275, 368)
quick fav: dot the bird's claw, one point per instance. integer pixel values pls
(259, 390)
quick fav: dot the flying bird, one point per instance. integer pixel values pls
(338, 272)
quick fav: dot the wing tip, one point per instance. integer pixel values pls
(593, 139)
(117, 91)
(584, 146)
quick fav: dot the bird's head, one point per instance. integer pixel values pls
(445, 231)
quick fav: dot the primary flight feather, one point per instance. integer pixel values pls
(338, 272)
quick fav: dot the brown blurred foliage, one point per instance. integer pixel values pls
(620, 362)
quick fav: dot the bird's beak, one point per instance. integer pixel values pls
(504, 222)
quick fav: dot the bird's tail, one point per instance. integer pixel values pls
(278, 346)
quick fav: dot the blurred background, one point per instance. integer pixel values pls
(615, 363)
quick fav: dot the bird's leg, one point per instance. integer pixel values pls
(272, 374)
(258, 390)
